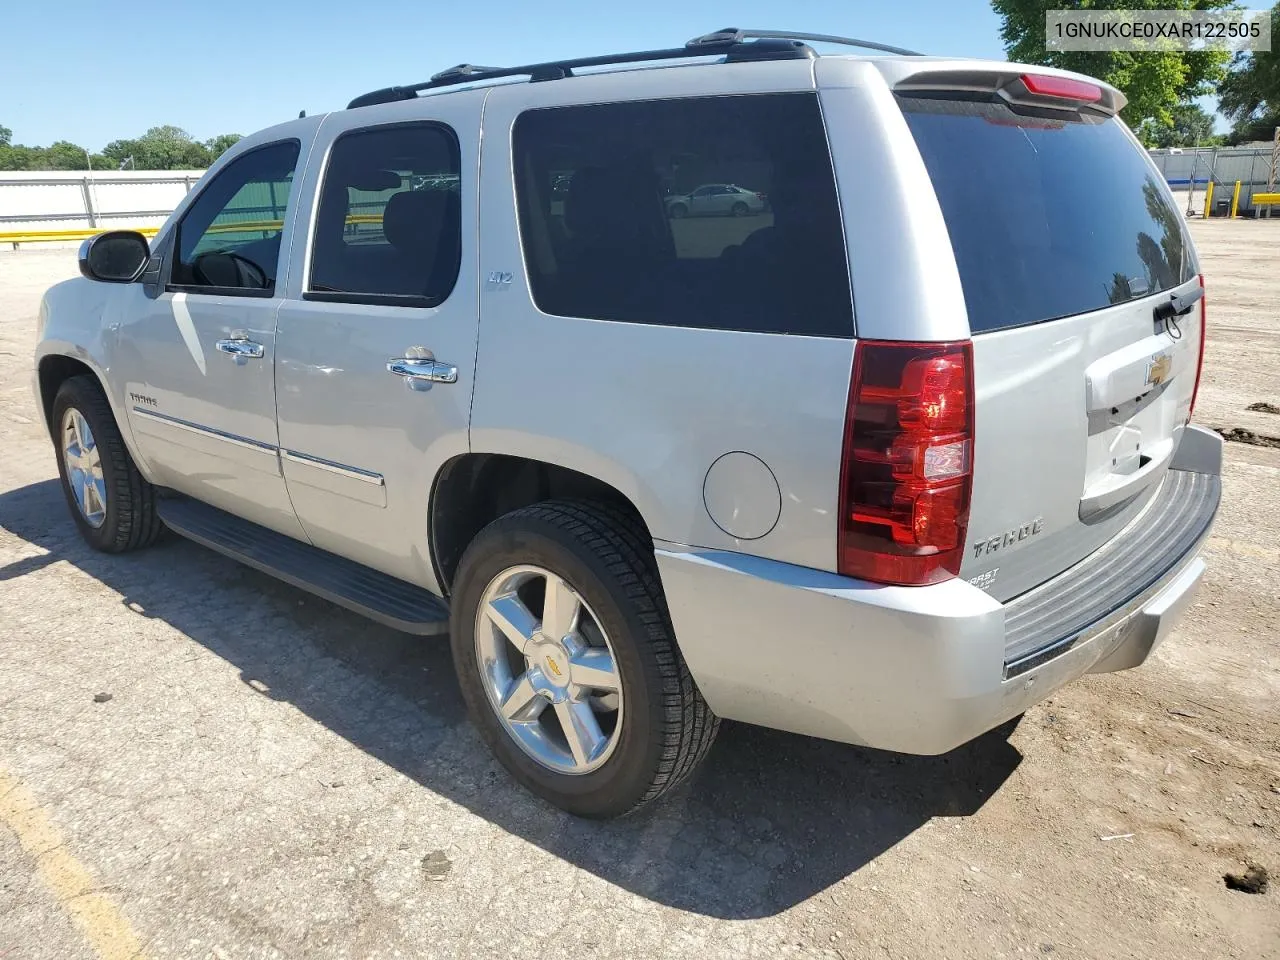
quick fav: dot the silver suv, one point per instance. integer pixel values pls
(886, 462)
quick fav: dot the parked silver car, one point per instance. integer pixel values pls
(648, 478)
(716, 200)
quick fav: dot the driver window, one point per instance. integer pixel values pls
(229, 239)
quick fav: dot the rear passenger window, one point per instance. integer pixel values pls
(229, 238)
(716, 212)
(388, 227)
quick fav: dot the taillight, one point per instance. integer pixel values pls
(907, 470)
(1204, 334)
(1063, 88)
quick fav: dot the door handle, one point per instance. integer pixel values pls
(241, 347)
(420, 371)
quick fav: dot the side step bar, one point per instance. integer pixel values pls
(370, 593)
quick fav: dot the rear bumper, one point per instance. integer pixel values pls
(919, 669)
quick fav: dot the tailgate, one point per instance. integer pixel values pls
(1080, 284)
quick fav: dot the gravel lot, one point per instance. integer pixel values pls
(273, 776)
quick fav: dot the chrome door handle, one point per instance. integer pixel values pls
(240, 347)
(430, 371)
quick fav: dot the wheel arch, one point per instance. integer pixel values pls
(55, 369)
(57, 363)
(473, 489)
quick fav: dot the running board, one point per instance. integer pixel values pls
(370, 593)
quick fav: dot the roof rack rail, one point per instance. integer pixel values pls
(731, 42)
(734, 35)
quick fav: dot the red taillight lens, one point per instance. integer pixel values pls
(1204, 334)
(907, 470)
(1062, 87)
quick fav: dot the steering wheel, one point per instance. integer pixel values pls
(250, 275)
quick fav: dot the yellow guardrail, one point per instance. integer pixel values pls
(1266, 199)
(82, 233)
(39, 236)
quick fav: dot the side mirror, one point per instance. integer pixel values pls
(117, 256)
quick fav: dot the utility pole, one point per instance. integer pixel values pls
(1275, 162)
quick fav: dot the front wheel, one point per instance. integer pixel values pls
(679, 211)
(565, 654)
(111, 503)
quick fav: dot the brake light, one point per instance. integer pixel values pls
(1204, 335)
(1064, 88)
(907, 470)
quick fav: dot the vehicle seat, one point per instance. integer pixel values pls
(422, 227)
(615, 223)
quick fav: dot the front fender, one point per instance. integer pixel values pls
(79, 320)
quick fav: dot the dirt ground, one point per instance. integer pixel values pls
(272, 776)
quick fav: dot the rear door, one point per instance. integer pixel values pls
(1070, 251)
(376, 342)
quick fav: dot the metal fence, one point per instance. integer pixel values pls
(69, 201)
(68, 205)
(1192, 169)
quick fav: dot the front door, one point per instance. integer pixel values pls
(197, 358)
(377, 339)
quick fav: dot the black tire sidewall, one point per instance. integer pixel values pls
(740, 209)
(87, 399)
(620, 784)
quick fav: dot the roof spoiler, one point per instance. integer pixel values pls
(1028, 86)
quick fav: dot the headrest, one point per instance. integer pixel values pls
(618, 208)
(415, 219)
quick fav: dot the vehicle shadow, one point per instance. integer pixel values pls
(770, 819)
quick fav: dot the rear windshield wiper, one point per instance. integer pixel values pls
(1177, 306)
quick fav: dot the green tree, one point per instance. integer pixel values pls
(1250, 93)
(65, 155)
(219, 145)
(160, 148)
(16, 157)
(1192, 126)
(1153, 82)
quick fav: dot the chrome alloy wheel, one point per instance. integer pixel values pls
(84, 467)
(549, 670)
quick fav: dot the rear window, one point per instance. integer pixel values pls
(714, 212)
(1048, 217)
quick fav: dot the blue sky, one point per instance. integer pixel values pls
(92, 71)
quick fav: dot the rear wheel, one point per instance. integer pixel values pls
(112, 505)
(740, 209)
(565, 655)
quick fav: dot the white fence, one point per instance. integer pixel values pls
(34, 202)
(54, 200)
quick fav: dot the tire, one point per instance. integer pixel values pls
(127, 520)
(679, 211)
(740, 209)
(663, 727)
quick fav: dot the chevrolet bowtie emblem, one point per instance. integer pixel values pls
(1158, 369)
